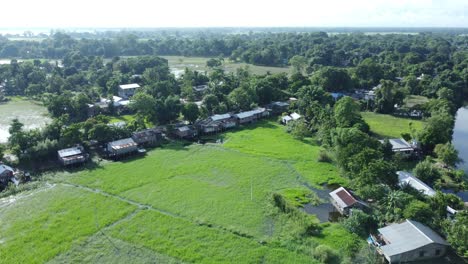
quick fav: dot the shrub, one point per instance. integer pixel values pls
(325, 254)
(324, 156)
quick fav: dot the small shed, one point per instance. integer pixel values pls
(6, 174)
(286, 119)
(410, 241)
(127, 90)
(121, 147)
(73, 155)
(295, 116)
(344, 201)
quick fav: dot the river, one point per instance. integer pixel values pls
(460, 140)
(460, 136)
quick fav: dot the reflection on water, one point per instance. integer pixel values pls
(326, 211)
(460, 136)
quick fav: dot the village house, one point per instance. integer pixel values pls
(186, 132)
(408, 241)
(344, 201)
(292, 117)
(251, 116)
(277, 108)
(6, 174)
(73, 155)
(148, 137)
(216, 123)
(401, 146)
(406, 178)
(200, 88)
(121, 147)
(127, 90)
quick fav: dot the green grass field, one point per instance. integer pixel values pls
(198, 203)
(199, 64)
(387, 126)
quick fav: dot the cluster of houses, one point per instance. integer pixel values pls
(289, 118)
(222, 122)
(398, 242)
(77, 155)
(120, 102)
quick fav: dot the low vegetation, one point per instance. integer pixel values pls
(387, 126)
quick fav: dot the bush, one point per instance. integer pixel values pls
(324, 156)
(325, 254)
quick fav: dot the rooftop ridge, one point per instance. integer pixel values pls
(419, 230)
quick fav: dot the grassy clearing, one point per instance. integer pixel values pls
(387, 126)
(206, 203)
(270, 140)
(337, 237)
(102, 248)
(199, 64)
(299, 196)
(198, 243)
(413, 100)
(203, 183)
(45, 223)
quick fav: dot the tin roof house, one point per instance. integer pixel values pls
(122, 147)
(186, 132)
(400, 145)
(148, 137)
(73, 155)
(127, 90)
(251, 116)
(408, 241)
(344, 201)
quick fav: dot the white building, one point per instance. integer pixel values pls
(128, 90)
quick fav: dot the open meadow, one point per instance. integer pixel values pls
(207, 203)
(388, 126)
(179, 63)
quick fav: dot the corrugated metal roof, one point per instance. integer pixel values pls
(408, 236)
(280, 104)
(184, 128)
(126, 142)
(399, 144)
(129, 86)
(250, 113)
(407, 178)
(343, 197)
(220, 117)
(69, 152)
(295, 116)
(4, 168)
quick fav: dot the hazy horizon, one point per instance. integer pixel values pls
(237, 14)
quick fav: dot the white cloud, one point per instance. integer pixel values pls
(189, 13)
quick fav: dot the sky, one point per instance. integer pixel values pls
(234, 13)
